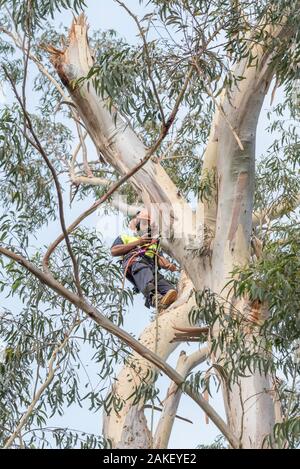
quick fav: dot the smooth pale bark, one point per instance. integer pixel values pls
(249, 406)
(207, 206)
(184, 365)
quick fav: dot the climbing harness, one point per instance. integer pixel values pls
(140, 252)
(137, 253)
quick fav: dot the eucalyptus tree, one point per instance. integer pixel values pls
(173, 120)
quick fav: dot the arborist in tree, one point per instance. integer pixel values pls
(140, 257)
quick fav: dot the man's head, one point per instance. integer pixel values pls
(141, 223)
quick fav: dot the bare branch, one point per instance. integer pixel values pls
(18, 42)
(119, 203)
(190, 334)
(276, 211)
(90, 181)
(40, 148)
(159, 409)
(219, 107)
(84, 151)
(148, 59)
(74, 156)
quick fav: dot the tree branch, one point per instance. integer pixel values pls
(276, 211)
(84, 151)
(219, 107)
(184, 365)
(115, 139)
(148, 60)
(90, 181)
(163, 133)
(44, 386)
(119, 203)
(126, 338)
(39, 147)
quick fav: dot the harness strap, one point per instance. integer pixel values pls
(134, 255)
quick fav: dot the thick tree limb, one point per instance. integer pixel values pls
(114, 186)
(163, 133)
(113, 137)
(118, 202)
(207, 207)
(218, 106)
(233, 229)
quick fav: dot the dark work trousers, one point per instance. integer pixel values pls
(143, 276)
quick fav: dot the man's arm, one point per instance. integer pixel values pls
(164, 264)
(122, 249)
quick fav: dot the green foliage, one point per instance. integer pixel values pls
(277, 176)
(30, 14)
(219, 443)
(289, 432)
(266, 344)
(208, 185)
(65, 439)
(33, 333)
(121, 76)
(26, 185)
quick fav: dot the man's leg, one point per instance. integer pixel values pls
(144, 280)
(163, 285)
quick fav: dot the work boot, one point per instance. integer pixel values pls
(164, 301)
(168, 299)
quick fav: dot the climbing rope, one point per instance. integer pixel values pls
(137, 253)
(156, 322)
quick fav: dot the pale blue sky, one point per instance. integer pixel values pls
(105, 14)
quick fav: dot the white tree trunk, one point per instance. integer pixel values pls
(249, 406)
